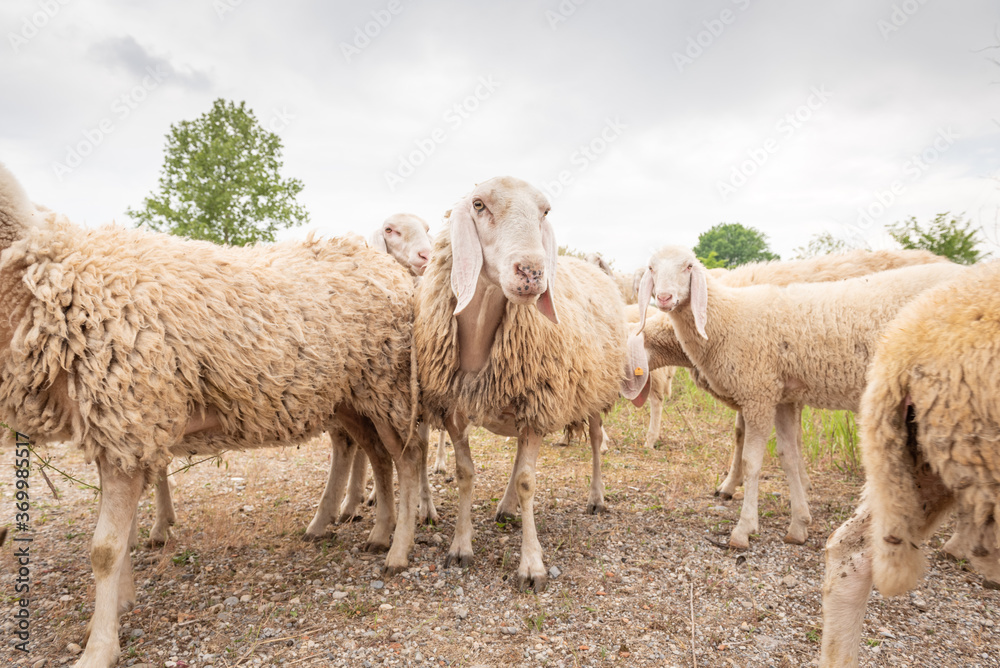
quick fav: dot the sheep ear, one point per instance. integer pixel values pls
(467, 255)
(634, 387)
(699, 298)
(645, 294)
(547, 303)
(377, 240)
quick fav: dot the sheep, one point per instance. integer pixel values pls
(661, 381)
(771, 349)
(492, 351)
(139, 347)
(627, 285)
(929, 426)
(662, 343)
(405, 237)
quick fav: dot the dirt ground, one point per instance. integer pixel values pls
(237, 586)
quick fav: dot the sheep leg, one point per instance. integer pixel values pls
(409, 461)
(531, 573)
(460, 552)
(507, 508)
(426, 512)
(803, 469)
(655, 416)
(788, 424)
(735, 476)
(109, 554)
(364, 434)
(847, 584)
(350, 508)
(342, 451)
(566, 438)
(754, 447)
(977, 546)
(441, 463)
(165, 516)
(595, 499)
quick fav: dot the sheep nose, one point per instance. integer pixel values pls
(530, 277)
(664, 300)
(425, 256)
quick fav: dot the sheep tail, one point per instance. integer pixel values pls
(891, 458)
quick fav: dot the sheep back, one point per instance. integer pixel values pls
(938, 360)
(823, 268)
(116, 337)
(548, 375)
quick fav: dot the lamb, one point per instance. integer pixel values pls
(770, 349)
(140, 347)
(661, 342)
(491, 350)
(929, 425)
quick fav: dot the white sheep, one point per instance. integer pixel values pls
(140, 347)
(491, 350)
(930, 441)
(661, 342)
(770, 349)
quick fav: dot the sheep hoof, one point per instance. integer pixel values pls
(347, 517)
(458, 559)
(739, 542)
(390, 571)
(725, 495)
(375, 546)
(537, 583)
(990, 584)
(156, 542)
(502, 517)
(595, 508)
(431, 519)
(795, 539)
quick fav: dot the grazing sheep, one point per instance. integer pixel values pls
(492, 352)
(140, 347)
(661, 382)
(930, 442)
(771, 349)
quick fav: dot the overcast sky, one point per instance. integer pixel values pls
(645, 122)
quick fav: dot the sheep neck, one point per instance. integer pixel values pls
(478, 324)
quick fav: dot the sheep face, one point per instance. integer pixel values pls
(405, 237)
(674, 278)
(500, 232)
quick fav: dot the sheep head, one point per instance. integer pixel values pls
(405, 237)
(675, 278)
(500, 232)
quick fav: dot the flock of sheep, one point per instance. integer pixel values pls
(139, 347)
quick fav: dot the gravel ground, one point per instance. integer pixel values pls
(237, 586)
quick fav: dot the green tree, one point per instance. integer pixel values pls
(734, 244)
(221, 181)
(712, 261)
(823, 243)
(950, 237)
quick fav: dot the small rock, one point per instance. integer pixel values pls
(225, 616)
(508, 630)
(245, 598)
(385, 606)
(295, 601)
(65, 598)
(39, 664)
(231, 601)
(138, 633)
(378, 584)
(746, 628)
(789, 581)
(436, 539)
(337, 595)
(554, 572)
(718, 509)
(920, 604)
(279, 597)
(246, 509)
(886, 633)
(73, 648)
(396, 637)
(459, 592)
(462, 612)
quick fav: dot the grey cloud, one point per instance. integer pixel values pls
(127, 55)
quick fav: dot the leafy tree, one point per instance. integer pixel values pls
(823, 243)
(734, 244)
(950, 237)
(220, 181)
(712, 261)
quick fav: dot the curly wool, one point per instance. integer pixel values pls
(938, 357)
(547, 375)
(114, 338)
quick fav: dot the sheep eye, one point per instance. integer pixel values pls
(478, 205)
(546, 212)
